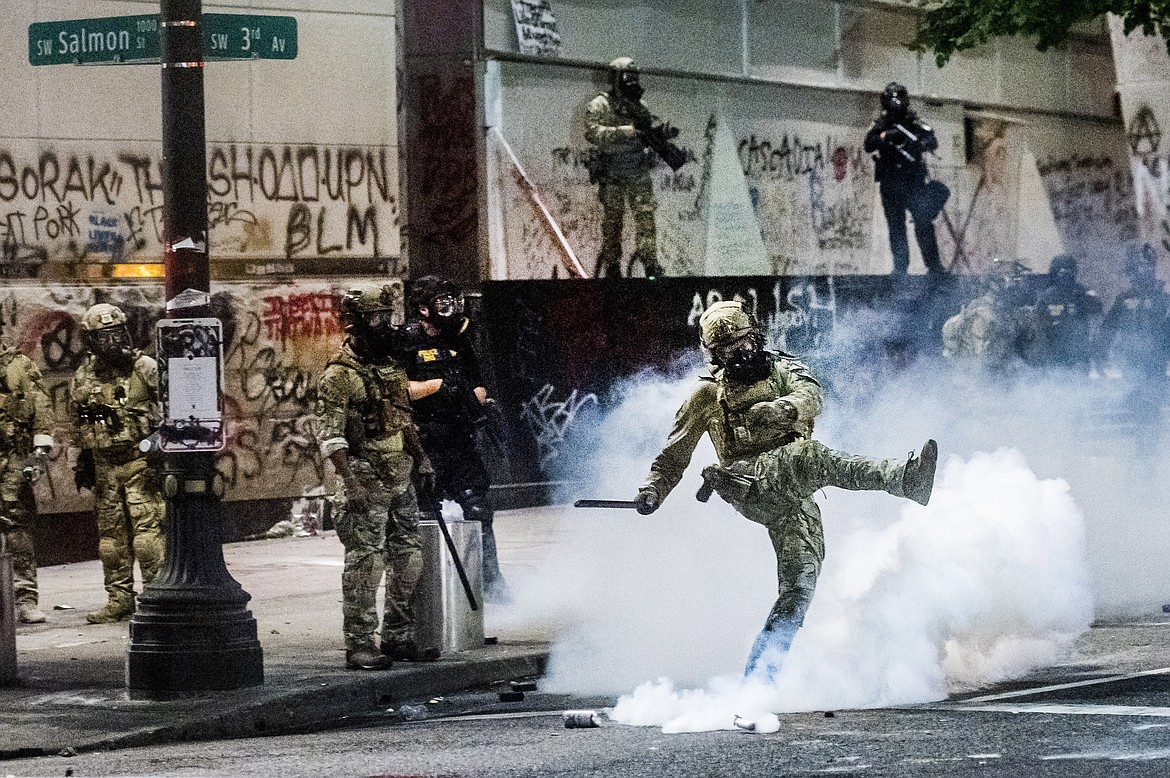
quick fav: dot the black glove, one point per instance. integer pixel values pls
(85, 471)
(647, 501)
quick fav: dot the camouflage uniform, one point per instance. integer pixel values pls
(621, 168)
(365, 408)
(769, 469)
(113, 412)
(26, 422)
(989, 334)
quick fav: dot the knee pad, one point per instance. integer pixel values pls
(476, 506)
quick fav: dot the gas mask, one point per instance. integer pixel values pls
(372, 335)
(743, 359)
(112, 346)
(445, 312)
(895, 101)
(628, 86)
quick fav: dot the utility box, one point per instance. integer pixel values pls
(444, 618)
(8, 620)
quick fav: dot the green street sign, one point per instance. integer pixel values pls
(86, 41)
(135, 39)
(248, 36)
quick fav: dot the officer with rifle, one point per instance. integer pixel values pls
(450, 405)
(899, 142)
(114, 402)
(627, 138)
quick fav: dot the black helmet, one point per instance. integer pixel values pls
(443, 301)
(1063, 267)
(895, 99)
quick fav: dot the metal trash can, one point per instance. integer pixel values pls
(443, 616)
(7, 618)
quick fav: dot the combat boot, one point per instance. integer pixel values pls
(918, 478)
(29, 613)
(367, 658)
(115, 610)
(409, 651)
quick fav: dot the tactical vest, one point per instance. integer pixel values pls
(376, 420)
(115, 412)
(17, 410)
(735, 437)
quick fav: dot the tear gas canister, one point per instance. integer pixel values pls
(579, 719)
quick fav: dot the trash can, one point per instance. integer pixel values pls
(443, 615)
(7, 618)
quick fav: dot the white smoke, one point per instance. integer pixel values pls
(986, 583)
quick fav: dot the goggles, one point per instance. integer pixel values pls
(447, 305)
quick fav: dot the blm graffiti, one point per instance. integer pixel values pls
(73, 202)
(278, 338)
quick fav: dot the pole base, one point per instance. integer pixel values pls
(191, 648)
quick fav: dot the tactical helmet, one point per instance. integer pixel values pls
(364, 302)
(895, 98)
(101, 317)
(623, 77)
(724, 323)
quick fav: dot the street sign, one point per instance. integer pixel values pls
(86, 41)
(135, 39)
(248, 36)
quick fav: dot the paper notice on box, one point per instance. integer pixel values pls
(192, 388)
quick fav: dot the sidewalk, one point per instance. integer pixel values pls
(72, 695)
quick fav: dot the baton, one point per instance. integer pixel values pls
(606, 504)
(458, 562)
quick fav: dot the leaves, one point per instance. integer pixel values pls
(950, 26)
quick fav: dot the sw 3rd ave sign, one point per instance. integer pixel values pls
(118, 39)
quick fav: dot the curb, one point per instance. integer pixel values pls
(305, 703)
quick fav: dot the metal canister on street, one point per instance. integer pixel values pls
(745, 724)
(580, 719)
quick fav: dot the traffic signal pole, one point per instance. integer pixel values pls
(192, 630)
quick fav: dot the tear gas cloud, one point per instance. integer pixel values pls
(998, 575)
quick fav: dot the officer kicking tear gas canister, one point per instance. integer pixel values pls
(114, 407)
(758, 408)
(26, 427)
(450, 406)
(366, 431)
(627, 138)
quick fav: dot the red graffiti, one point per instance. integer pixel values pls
(301, 316)
(840, 163)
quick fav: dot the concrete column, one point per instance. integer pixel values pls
(440, 138)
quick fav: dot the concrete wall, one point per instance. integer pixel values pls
(1028, 142)
(302, 157)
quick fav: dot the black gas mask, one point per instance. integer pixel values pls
(445, 312)
(112, 346)
(1063, 272)
(895, 101)
(626, 83)
(372, 334)
(743, 359)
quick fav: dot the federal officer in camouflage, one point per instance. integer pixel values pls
(26, 427)
(758, 408)
(366, 431)
(621, 169)
(114, 407)
(998, 331)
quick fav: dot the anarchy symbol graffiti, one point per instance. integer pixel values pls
(1143, 134)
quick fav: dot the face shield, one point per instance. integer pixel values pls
(445, 311)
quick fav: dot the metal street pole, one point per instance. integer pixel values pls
(192, 630)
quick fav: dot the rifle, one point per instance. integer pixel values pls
(657, 135)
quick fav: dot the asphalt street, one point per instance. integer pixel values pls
(1091, 730)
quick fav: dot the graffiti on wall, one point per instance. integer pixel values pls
(62, 204)
(278, 338)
